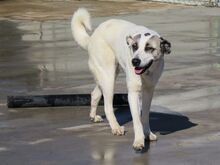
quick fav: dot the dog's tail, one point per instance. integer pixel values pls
(79, 24)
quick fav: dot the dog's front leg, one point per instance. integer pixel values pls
(139, 138)
(147, 94)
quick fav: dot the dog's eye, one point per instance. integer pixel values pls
(149, 49)
(135, 47)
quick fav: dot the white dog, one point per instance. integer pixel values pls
(139, 51)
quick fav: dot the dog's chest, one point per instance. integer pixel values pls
(152, 75)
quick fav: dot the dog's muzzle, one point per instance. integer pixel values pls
(139, 70)
(136, 62)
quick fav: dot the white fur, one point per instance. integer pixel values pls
(107, 49)
(80, 21)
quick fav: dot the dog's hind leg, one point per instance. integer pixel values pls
(108, 88)
(105, 77)
(95, 98)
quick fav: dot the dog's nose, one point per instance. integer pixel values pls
(136, 62)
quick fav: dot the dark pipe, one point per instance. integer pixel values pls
(59, 100)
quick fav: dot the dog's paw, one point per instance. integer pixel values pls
(120, 130)
(151, 136)
(96, 119)
(138, 145)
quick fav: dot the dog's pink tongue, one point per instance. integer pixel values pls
(138, 70)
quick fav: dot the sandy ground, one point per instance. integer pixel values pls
(40, 57)
(49, 9)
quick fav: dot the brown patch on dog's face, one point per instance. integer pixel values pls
(157, 46)
(134, 42)
(152, 46)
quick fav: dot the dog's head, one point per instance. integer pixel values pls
(146, 48)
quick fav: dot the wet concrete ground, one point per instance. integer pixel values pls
(62, 9)
(42, 58)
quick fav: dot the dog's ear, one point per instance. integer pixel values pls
(165, 46)
(129, 40)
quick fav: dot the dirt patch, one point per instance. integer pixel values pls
(63, 9)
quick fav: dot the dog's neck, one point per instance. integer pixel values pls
(152, 75)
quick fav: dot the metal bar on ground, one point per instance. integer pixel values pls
(59, 100)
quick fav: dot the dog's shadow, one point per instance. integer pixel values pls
(162, 120)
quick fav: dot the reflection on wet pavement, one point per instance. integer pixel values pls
(39, 56)
(215, 36)
(42, 58)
